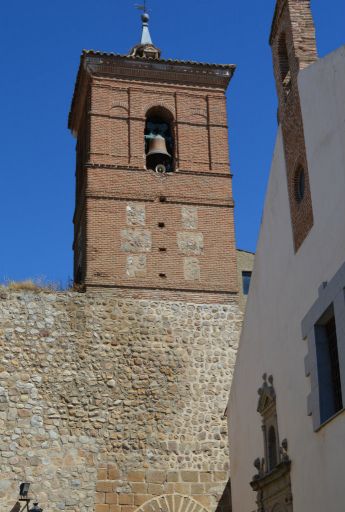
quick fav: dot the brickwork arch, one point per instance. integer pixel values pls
(160, 110)
(172, 503)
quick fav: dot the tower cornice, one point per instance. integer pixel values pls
(280, 5)
(94, 63)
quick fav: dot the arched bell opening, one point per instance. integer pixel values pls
(159, 140)
(284, 64)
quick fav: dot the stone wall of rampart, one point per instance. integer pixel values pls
(107, 403)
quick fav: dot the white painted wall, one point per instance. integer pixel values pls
(283, 289)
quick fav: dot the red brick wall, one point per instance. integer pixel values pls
(116, 177)
(293, 22)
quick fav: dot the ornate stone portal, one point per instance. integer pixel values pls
(272, 483)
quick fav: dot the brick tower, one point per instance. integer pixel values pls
(294, 48)
(154, 208)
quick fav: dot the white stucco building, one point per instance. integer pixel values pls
(294, 328)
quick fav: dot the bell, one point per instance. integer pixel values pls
(158, 146)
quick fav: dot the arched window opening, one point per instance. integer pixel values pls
(284, 64)
(299, 184)
(272, 449)
(159, 140)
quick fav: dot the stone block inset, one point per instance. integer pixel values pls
(190, 217)
(135, 214)
(191, 269)
(136, 265)
(136, 240)
(190, 243)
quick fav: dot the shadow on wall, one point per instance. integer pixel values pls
(224, 504)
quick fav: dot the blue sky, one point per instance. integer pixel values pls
(41, 43)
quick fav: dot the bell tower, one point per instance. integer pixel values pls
(294, 48)
(154, 207)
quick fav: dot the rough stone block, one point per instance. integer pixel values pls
(135, 214)
(169, 488)
(190, 476)
(138, 488)
(117, 484)
(220, 476)
(100, 497)
(102, 474)
(126, 499)
(136, 240)
(140, 499)
(197, 489)
(172, 476)
(136, 476)
(155, 489)
(111, 497)
(190, 243)
(206, 477)
(156, 477)
(191, 269)
(212, 487)
(182, 488)
(113, 473)
(136, 265)
(114, 508)
(128, 508)
(101, 508)
(104, 486)
(190, 217)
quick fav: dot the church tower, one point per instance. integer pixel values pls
(154, 207)
(294, 48)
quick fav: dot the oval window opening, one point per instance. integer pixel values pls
(300, 184)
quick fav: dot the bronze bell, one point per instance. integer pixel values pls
(158, 146)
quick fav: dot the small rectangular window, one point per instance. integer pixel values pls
(161, 225)
(163, 276)
(162, 249)
(328, 368)
(246, 278)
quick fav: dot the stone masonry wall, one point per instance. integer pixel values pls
(110, 404)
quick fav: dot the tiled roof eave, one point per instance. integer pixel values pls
(213, 70)
(230, 67)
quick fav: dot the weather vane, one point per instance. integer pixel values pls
(142, 7)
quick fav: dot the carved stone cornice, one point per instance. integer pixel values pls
(261, 482)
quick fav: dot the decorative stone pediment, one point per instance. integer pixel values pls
(148, 51)
(267, 395)
(272, 482)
